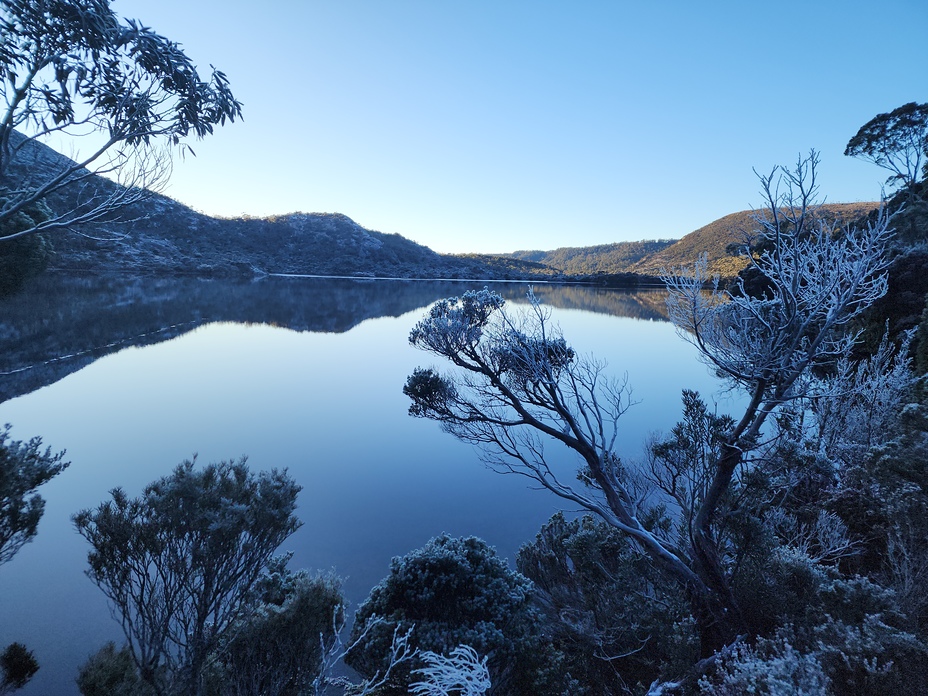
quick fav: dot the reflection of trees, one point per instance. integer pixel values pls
(60, 323)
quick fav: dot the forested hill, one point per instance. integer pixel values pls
(160, 235)
(603, 258)
(648, 258)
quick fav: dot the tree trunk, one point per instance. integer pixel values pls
(718, 616)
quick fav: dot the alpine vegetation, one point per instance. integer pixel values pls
(73, 70)
(710, 518)
(24, 466)
(453, 592)
(179, 564)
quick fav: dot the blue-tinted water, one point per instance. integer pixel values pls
(323, 401)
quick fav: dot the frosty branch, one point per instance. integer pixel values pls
(516, 382)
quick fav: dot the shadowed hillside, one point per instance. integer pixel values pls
(161, 235)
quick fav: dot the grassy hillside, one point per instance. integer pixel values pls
(714, 238)
(648, 258)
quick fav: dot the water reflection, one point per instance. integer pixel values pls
(61, 323)
(303, 374)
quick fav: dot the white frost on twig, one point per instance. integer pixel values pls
(462, 673)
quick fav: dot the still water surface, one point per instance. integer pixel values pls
(298, 374)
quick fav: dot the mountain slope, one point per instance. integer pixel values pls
(714, 238)
(603, 258)
(163, 236)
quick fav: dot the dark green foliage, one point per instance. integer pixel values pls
(615, 617)
(24, 466)
(897, 141)
(901, 308)
(457, 591)
(18, 665)
(276, 649)
(681, 464)
(179, 563)
(111, 672)
(870, 658)
(883, 500)
(859, 610)
(70, 65)
(848, 589)
(921, 342)
(910, 216)
(831, 658)
(22, 257)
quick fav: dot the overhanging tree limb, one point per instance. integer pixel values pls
(517, 381)
(71, 68)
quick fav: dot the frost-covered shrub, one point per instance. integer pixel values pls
(778, 587)
(790, 589)
(111, 672)
(772, 667)
(276, 649)
(862, 401)
(872, 658)
(614, 617)
(451, 592)
(179, 563)
(884, 497)
(853, 600)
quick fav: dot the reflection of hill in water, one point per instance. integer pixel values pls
(636, 304)
(61, 323)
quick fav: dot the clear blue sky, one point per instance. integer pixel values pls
(495, 125)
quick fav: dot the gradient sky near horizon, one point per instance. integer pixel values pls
(496, 125)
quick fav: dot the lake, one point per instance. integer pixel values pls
(133, 375)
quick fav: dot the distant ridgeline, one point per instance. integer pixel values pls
(603, 258)
(161, 235)
(650, 258)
